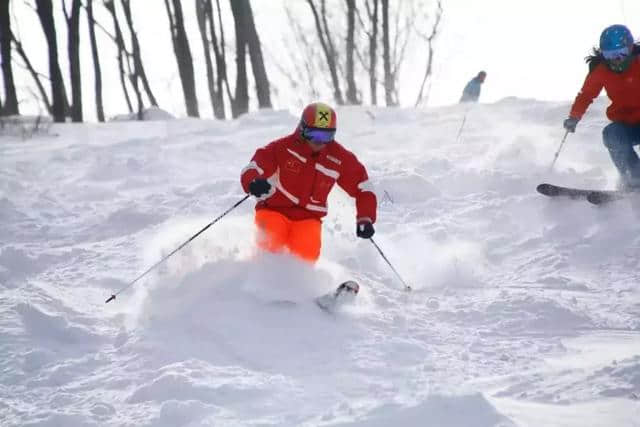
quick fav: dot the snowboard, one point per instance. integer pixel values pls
(596, 197)
(345, 293)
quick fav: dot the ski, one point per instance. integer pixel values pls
(596, 197)
(602, 197)
(345, 293)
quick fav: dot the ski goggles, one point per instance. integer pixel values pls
(318, 135)
(616, 54)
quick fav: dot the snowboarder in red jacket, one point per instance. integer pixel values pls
(292, 177)
(615, 66)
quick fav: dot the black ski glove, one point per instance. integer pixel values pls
(364, 229)
(570, 124)
(259, 187)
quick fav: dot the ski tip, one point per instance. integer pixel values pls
(111, 298)
(547, 189)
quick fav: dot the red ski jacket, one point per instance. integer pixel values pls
(622, 88)
(301, 179)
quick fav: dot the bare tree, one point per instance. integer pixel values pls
(324, 35)
(394, 54)
(138, 67)
(183, 56)
(247, 37)
(201, 14)
(255, 54)
(11, 100)
(206, 23)
(372, 8)
(45, 13)
(221, 54)
(97, 72)
(122, 51)
(402, 36)
(73, 50)
(389, 84)
(308, 53)
(429, 38)
(240, 102)
(352, 91)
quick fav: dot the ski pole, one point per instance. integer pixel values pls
(113, 296)
(406, 287)
(464, 120)
(559, 149)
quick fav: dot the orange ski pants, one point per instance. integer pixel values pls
(277, 233)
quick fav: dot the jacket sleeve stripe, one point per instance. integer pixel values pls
(316, 208)
(252, 165)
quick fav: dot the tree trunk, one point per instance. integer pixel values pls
(137, 55)
(45, 13)
(257, 62)
(386, 55)
(221, 57)
(206, 22)
(73, 49)
(119, 40)
(184, 59)
(97, 72)
(201, 15)
(373, 54)
(11, 100)
(134, 78)
(329, 55)
(352, 91)
(240, 104)
(429, 68)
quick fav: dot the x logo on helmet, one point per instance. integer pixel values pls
(324, 115)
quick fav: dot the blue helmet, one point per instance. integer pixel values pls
(616, 46)
(615, 37)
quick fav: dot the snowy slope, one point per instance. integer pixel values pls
(525, 310)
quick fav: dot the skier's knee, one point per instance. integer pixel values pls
(613, 135)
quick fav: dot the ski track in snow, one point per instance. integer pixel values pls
(525, 310)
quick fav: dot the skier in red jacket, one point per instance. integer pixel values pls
(615, 66)
(292, 177)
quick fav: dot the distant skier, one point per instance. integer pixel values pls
(615, 66)
(471, 92)
(292, 177)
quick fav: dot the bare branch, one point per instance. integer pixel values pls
(429, 39)
(101, 27)
(328, 51)
(36, 75)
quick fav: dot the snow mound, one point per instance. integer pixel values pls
(437, 410)
(148, 114)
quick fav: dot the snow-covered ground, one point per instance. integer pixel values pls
(525, 310)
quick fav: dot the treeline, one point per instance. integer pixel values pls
(356, 37)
